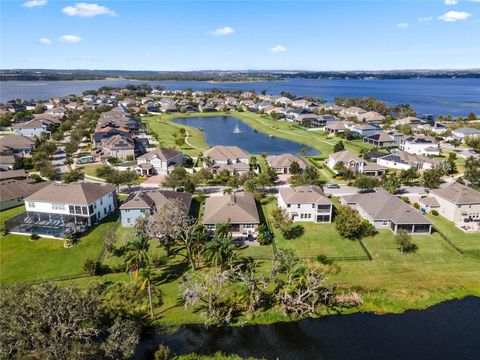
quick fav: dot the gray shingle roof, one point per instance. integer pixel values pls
(304, 195)
(74, 193)
(458, 194)
(380, 205)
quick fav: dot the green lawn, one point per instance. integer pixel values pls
(467, 242)
(7, 214)
(23, 260)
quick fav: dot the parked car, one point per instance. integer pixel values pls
(333, 186)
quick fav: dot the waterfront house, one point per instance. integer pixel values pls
(458, 203)
(386, 211)
(219, 154)
(420, 145)
(238, 209)
(352, 111)
(281, 163)
(371, 116)
(411, 121)
(159, 161)
(305, 203)
(57, 210)
(337, 127)
(146, 202)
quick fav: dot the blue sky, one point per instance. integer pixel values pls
(183, 35)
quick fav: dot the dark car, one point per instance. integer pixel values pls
(333, 186)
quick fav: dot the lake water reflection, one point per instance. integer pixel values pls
(227, 130)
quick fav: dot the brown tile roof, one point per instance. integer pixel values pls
(458, 194)
(346, 156)
(304, 195)
(237, 208)
(74, 193)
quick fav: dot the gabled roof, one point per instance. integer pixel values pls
(16, 142)
(145, 199)
(304, 195)
(346, 156)
(221, 152)
(380, 205)
(13, 189)
(407, 158)
(13, 174)
(237, 208)
(117, 142)
(285, 160)
(74, 193)
(32, 124)
(163, 154)
(381, 137)
(458, 194)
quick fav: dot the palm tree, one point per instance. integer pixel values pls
(136, 257)
(253, 162)
(218, 251)
(146, 278)
(227, 191)
(250, 186)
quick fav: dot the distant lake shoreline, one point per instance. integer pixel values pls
(457, 96)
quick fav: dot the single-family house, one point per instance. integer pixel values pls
(465, 132)
(146, 202)
(119, 147)
(364, 129)
(371, 116)
(354, 163)
(57, 210)
(238, 209)
(336, 127)
(458, 203)
(420, 145)
(380, 139)
(403, 160)
(220, 154)
(352, 111)
(31, 128)
(17, 144)
(281, 163)
(159, 161)
(386, 211)
(13, 191)
(305, 203)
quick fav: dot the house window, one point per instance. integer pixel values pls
(78, 210)
(210, 227)
(58, 207)
(288, 205)
(313, 206)
(31, 205)
(128, 220)
(298, 206)
(101, 201)
(71, 209)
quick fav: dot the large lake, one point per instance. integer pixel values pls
(457, 97)
(227, 130)
(448, 331)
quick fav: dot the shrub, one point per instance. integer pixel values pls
(434, 212)
(34, 236)
(324, 259)
(162, 353)
(92, 267)
(405, 198)
(416, 205)
(265, 236)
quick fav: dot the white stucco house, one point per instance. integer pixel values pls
(420, 145)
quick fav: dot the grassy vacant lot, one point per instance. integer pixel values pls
(165, 128)
(23, 260)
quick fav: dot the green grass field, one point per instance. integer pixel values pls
(23, 260)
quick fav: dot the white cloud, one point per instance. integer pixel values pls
(278, 48)
(70, 39)
(426, 18)
(450, 2)
(44, 41)
(402, 25)
(452, 16)
(34, 3)
(227, 30)
(87, 10)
